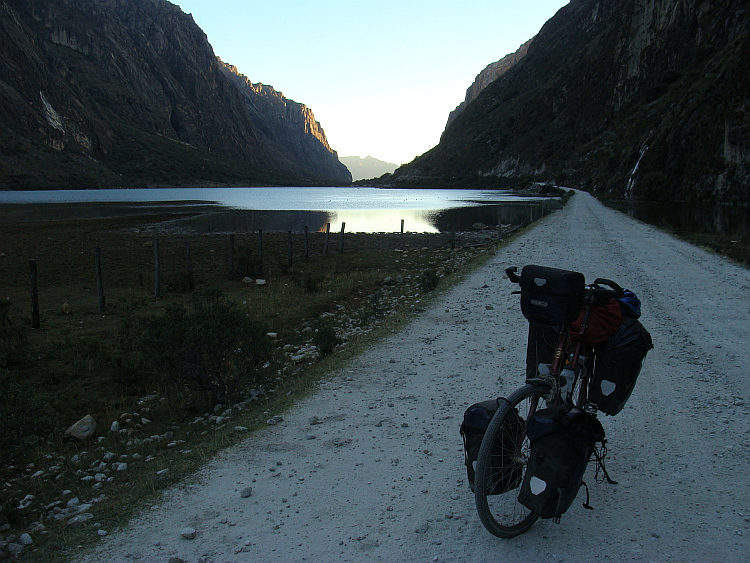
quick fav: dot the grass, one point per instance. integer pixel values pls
(86, 361)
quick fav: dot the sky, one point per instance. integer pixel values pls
(380, 76)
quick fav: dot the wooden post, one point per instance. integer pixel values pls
(260, 251)
(402, 234)
(307, 245)
(99, 283)
(341, 244)
(35, 320)
(157, 270)
(289, 233)
(189, 263)
(231, 256)
(328, 234)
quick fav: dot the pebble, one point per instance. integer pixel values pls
(246, 492)
(188, 533)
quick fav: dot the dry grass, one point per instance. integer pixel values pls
(76, 364)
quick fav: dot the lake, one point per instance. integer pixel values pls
(365, 210)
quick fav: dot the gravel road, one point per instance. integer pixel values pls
(370, 468)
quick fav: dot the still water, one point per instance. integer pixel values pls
(684, 217)
(281, 209)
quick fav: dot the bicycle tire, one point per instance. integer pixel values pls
(502, 514)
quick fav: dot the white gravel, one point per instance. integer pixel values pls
(379, 474)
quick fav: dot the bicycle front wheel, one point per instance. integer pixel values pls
(502, 461)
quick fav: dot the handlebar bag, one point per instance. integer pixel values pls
(617, 365)
(505, 472)
(562, 443)
(551, 296)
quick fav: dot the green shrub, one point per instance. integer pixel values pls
(212, 348)
(325, 337)
(429, 280)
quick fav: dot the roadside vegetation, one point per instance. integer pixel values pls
(172, 381)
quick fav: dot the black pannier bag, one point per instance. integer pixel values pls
(551, 296)
(505, 474)
(562, 443)
(617, 366)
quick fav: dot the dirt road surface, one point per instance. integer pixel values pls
(370, 468)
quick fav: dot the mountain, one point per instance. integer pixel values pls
(118, 93)
(367, 168)
(638, 98)
(492, 72)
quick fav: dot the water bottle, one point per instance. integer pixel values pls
(567, 378)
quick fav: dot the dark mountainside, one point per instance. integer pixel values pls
(120, 93)
(645, 99)
(491, 72)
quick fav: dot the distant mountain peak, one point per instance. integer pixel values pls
(367, 168)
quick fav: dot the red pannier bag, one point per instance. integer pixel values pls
(604, 320)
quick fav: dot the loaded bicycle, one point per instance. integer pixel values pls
(585, 351)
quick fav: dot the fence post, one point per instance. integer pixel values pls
(341, 244)
(307, 245)
(289, 233)
(157, 270)
(402, 234)
(328, 234)
(231, 256)
(35, 320)
(260, 251)
(99, 282)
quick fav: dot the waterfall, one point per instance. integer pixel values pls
(630, 186)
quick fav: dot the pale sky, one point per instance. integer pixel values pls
(380, 76)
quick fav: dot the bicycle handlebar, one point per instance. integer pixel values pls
(512, 275)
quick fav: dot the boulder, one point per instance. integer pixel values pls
(83, 429)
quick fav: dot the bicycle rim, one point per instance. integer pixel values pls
(502, 514)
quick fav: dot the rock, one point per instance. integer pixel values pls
(80, 519)
(25, 502)
(25, 540)
(101, 533)
(15, 549)
(188, 533)
(246, 492)
(67, 309)
(260, 282)
(247, 280)
(83, 429)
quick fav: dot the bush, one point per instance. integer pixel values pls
(211, 348)
(325, 338)
(429, 280)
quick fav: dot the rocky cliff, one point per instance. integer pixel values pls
(491, 72)
(100, 93)
(641, 98)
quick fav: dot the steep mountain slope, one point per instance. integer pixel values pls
(491, 72)
(642, 98)
(128, 92)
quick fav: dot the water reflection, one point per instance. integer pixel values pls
(364, 220)
(689, 217)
